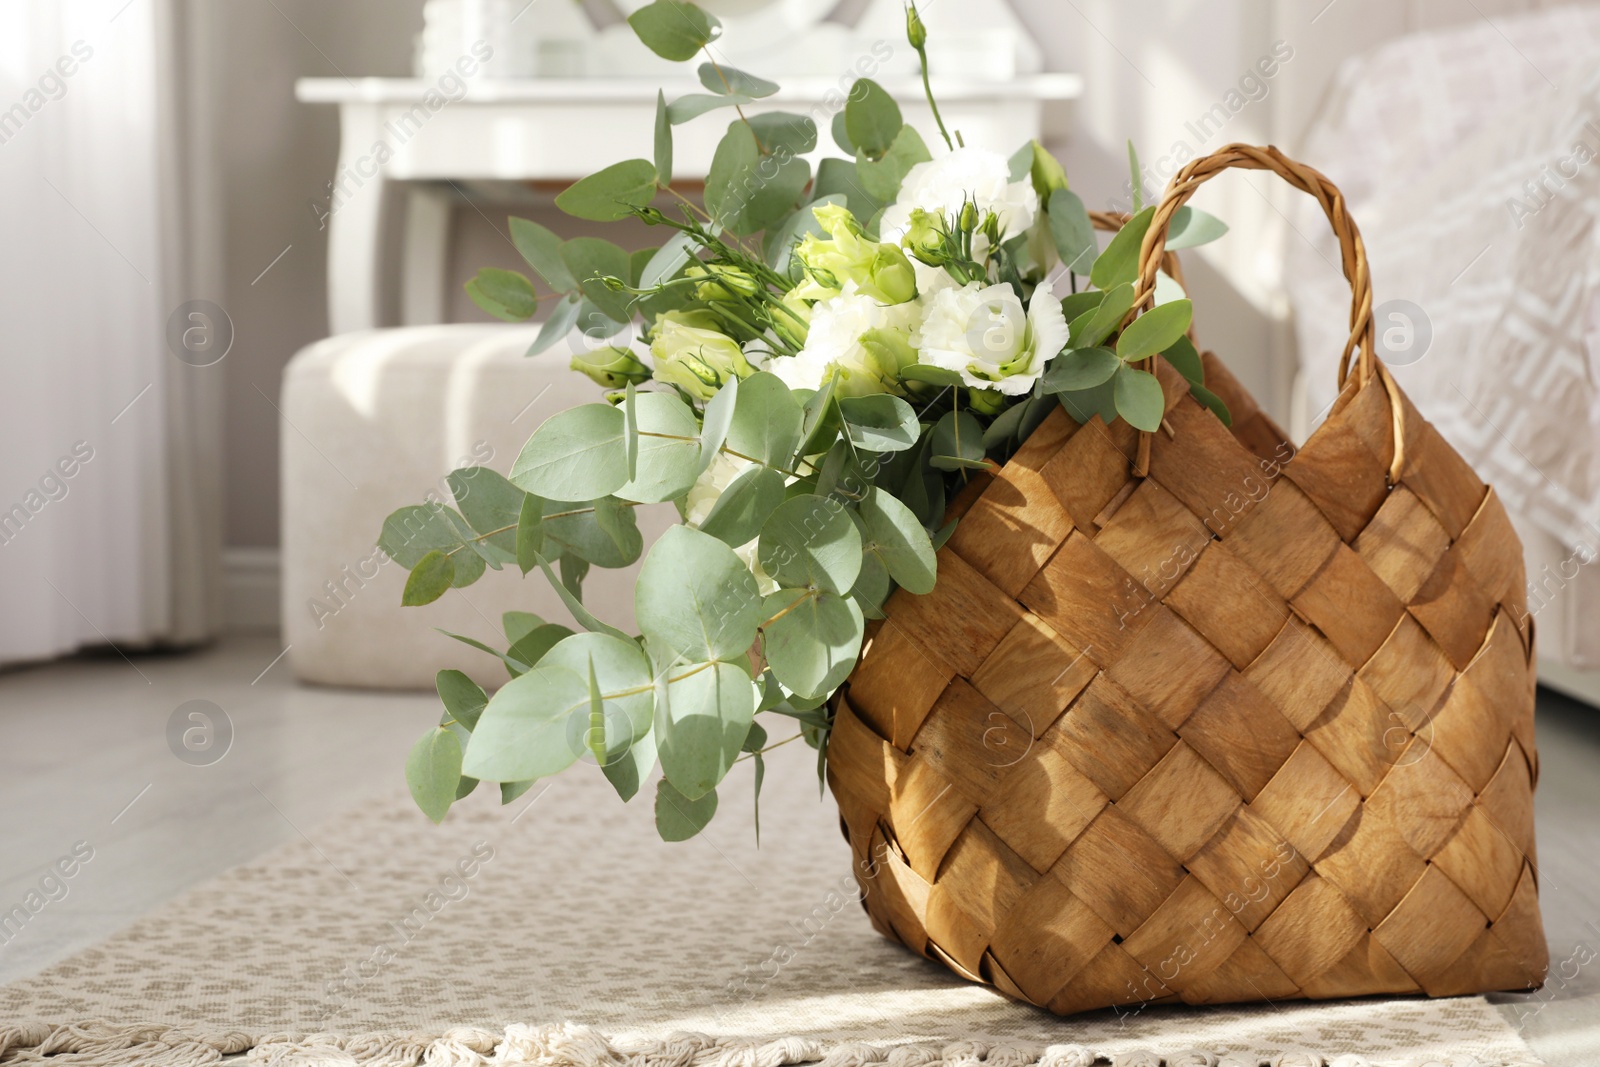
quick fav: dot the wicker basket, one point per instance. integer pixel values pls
(1199, 717)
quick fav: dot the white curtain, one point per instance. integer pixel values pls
(108, 443)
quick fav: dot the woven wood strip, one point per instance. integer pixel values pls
(1256, 724)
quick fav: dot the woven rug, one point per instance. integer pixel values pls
(560, 931)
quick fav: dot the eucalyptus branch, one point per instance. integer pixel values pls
(726, 450)
(769, 748)
(810, 594)
(724, 79)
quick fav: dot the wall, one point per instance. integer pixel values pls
(1152, 68)
(275, 156)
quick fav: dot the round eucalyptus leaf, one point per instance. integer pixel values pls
(702, 722)
(433, 771)
(879, 422)
(896, 535)
(766, 421)
(695, 598)
(412, 532)
(717, 421)
(577, 454)
(1156, 330)
(623, 674)
(611, 193)
(744, 507)
(677, 817)
(431, 578)
(1080, 368)
(603, 532)
(530, 648)
(669, 449)
(629, 770)
(489, 503)
(814, 646)
(1139, 398)
(463, 698)
(810, 541)
(523, 732)
(872, 584)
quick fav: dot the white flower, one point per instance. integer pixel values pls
(982, 333)
(706, 490)
(848, 334)
(971, 174)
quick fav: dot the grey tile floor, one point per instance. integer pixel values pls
(85, 756)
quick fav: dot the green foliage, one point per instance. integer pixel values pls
(542, 249)
(430, 579)
(669, 449)
(695, 599)
(1155, 331)
(731, 82)
(673, 29)
(834, 496)
(749, 187)
(1071, 230)
(694, 105)
(462, 697)
(705, 714)
(663, 140)
(766, 421)
(899, 540)
(1119, 263)
(1080, 368)
(813, 642)
(612, 193)
(1094, 327)
(1191, 226)
(810, 542)
(872, 119)
(593, 261)
(575, 454)
(1139, 398)
(505, 294)
(879, 422)
(433, 771)
(677, 817)
(882, 177)
(744, 507)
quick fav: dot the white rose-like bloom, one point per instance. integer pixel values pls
(703, 496)
(834, 343)
(968, 174)
(983, 333)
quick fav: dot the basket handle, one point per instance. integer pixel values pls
(1353, 253)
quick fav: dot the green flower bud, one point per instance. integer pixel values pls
(699, 318)
(986, 401)
(699, 361)
(722, 282)
(926, 238)
(890, 352)
(916, 32)
(969, 217)
(847, 255)
(610, 367)
(1046, 173)
(890, 279)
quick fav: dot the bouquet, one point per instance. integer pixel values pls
(808, 367)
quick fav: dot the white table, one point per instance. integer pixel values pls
(391, 142)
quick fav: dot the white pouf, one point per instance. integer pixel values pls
(375, 420)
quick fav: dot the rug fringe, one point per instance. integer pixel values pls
(569, 1045)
